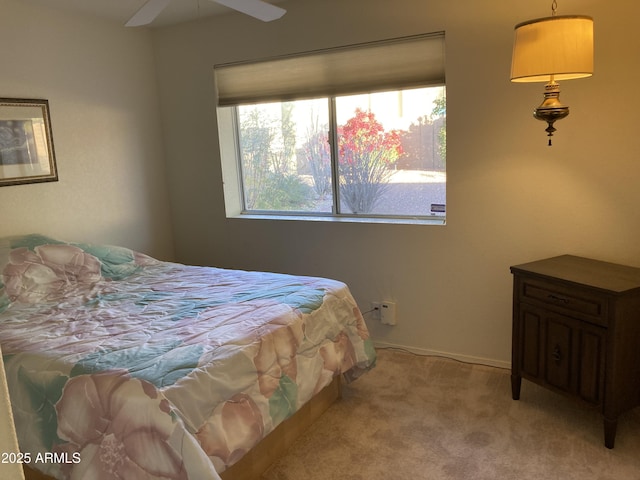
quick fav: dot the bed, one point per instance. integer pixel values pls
(123, 366)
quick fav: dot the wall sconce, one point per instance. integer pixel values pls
(551, 49)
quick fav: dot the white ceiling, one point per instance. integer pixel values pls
(121, 10)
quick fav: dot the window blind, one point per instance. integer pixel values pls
(384, 65)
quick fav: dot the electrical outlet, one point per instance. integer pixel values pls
(388, 313)
(375, 307)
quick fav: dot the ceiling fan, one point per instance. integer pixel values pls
(256, 8)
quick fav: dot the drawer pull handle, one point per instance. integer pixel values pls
(556, 298)
(557, 355)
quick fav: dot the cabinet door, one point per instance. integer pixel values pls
(592, 351)
(530, 345)
(562, 352)
(574, 356)
(559, 349)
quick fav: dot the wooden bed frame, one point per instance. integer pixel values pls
(270, 448)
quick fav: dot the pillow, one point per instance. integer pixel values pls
(7, 244)
(35, 268)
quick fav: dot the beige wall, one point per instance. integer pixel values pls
(100, 81)
(511, 199)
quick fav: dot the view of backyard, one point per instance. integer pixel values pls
(389, 150)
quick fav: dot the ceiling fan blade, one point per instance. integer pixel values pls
(255, 8)
(147, 13)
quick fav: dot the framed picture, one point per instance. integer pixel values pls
(26, 142)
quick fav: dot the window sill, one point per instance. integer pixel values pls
(436, 220)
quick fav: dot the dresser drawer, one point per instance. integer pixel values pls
(566, 299)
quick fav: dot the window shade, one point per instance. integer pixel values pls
(390, 64)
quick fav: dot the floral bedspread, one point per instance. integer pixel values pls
(123, 366)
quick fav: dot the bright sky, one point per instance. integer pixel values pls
(395, 110)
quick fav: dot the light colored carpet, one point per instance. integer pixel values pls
(433, 418)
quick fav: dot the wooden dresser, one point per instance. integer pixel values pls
(576, 330)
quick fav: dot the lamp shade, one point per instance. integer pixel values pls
(561, 46)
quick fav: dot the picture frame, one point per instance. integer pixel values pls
(26, 142)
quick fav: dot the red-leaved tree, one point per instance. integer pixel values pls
(367, 157)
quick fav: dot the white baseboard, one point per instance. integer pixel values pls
(455, 356)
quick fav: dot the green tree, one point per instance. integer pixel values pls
(316, 153)
(440, 110)
(267, 147)
(255, 146)
(281, 157)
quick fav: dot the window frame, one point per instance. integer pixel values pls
(229, 137)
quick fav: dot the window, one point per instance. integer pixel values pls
(361, 144)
